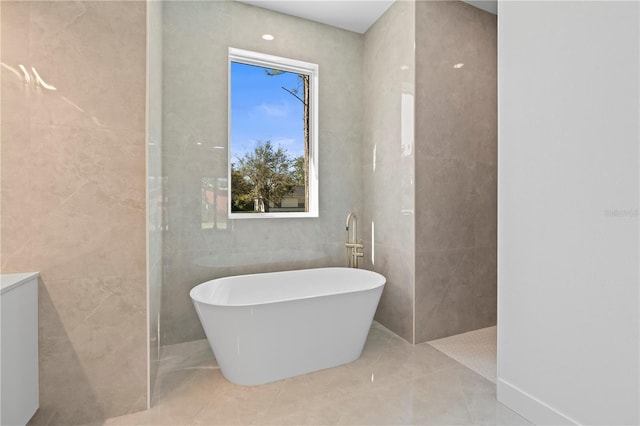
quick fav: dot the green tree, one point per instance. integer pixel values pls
(298, 173)
(267, 173)
(241, 198)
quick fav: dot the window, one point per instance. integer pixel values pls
(273, 149)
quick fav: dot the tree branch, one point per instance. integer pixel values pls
(297, 97)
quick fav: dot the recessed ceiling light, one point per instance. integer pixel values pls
(458, 65)
(404, 67)
(267, 37)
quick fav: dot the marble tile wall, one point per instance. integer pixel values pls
(388, 162)
(456, 155)
(73, 197)
(196, 37)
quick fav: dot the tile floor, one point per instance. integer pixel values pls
(393, 382)
(476, 349)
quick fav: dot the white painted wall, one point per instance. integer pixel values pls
(568, 279)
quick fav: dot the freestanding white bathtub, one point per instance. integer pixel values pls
(268, 327)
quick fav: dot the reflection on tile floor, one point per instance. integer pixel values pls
(393, 382)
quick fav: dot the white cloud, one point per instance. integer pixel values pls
(273, 110)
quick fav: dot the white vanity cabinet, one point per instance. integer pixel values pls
(18, 348)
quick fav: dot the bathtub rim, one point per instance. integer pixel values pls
(197, 298)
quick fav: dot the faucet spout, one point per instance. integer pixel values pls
(351, 241)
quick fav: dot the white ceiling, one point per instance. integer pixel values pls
(352, 15)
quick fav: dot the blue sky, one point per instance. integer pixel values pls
(261, 110)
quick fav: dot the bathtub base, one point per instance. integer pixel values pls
(268, 327)
(280, 340)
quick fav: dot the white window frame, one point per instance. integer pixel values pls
(298, 67)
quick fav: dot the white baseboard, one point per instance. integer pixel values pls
(529, 407)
